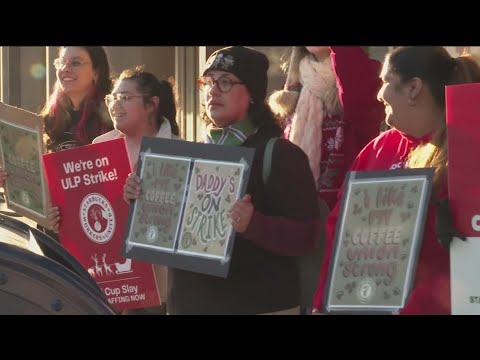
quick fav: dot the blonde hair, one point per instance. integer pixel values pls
(432, 154)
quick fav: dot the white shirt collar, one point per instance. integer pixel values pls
(165, 131)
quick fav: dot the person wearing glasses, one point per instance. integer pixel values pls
(75, 113)
(274, 222)
(139, 105)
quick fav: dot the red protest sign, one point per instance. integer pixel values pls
(463, 115)
(87, 184)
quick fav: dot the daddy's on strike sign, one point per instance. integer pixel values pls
(86, 183)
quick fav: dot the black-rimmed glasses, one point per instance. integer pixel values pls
(224, 83)
(110, 98)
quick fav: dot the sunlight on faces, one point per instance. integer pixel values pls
(129, 116)
(76, 80)
(395, 99)
(225, 109)
(37, 71)
(404, 103)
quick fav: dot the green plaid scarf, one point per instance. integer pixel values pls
(233, 135)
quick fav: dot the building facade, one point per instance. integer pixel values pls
(27, 74)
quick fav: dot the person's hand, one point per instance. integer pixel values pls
(241, 213)
(132, 188)
(444, 226)
(3, 176)
(53, 217)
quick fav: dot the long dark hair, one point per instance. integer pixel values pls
(93, 122)
(150, 85)
(436, 68)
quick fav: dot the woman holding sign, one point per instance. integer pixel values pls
(139, 105)
(413, 92)
(273, 222)
(74, 114)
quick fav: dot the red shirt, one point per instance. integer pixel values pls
(431, 291)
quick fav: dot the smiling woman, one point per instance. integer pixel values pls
(413, 92)
(143, 105)
(140, 105)
(74, 114)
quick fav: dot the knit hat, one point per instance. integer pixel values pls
(249, 65)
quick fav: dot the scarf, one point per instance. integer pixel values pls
(319, 96)
(233, 135)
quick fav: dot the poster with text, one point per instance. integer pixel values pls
(181, 215)
(86, 183)
(377, 240)
(156, 214)
(463, 137)
(213, 190)
(21, 148)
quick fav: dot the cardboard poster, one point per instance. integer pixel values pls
(21, 148)
(156, 218)
(378, 237)
(181, 215)
(464, 193)
(87, 183)
(214, 188)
